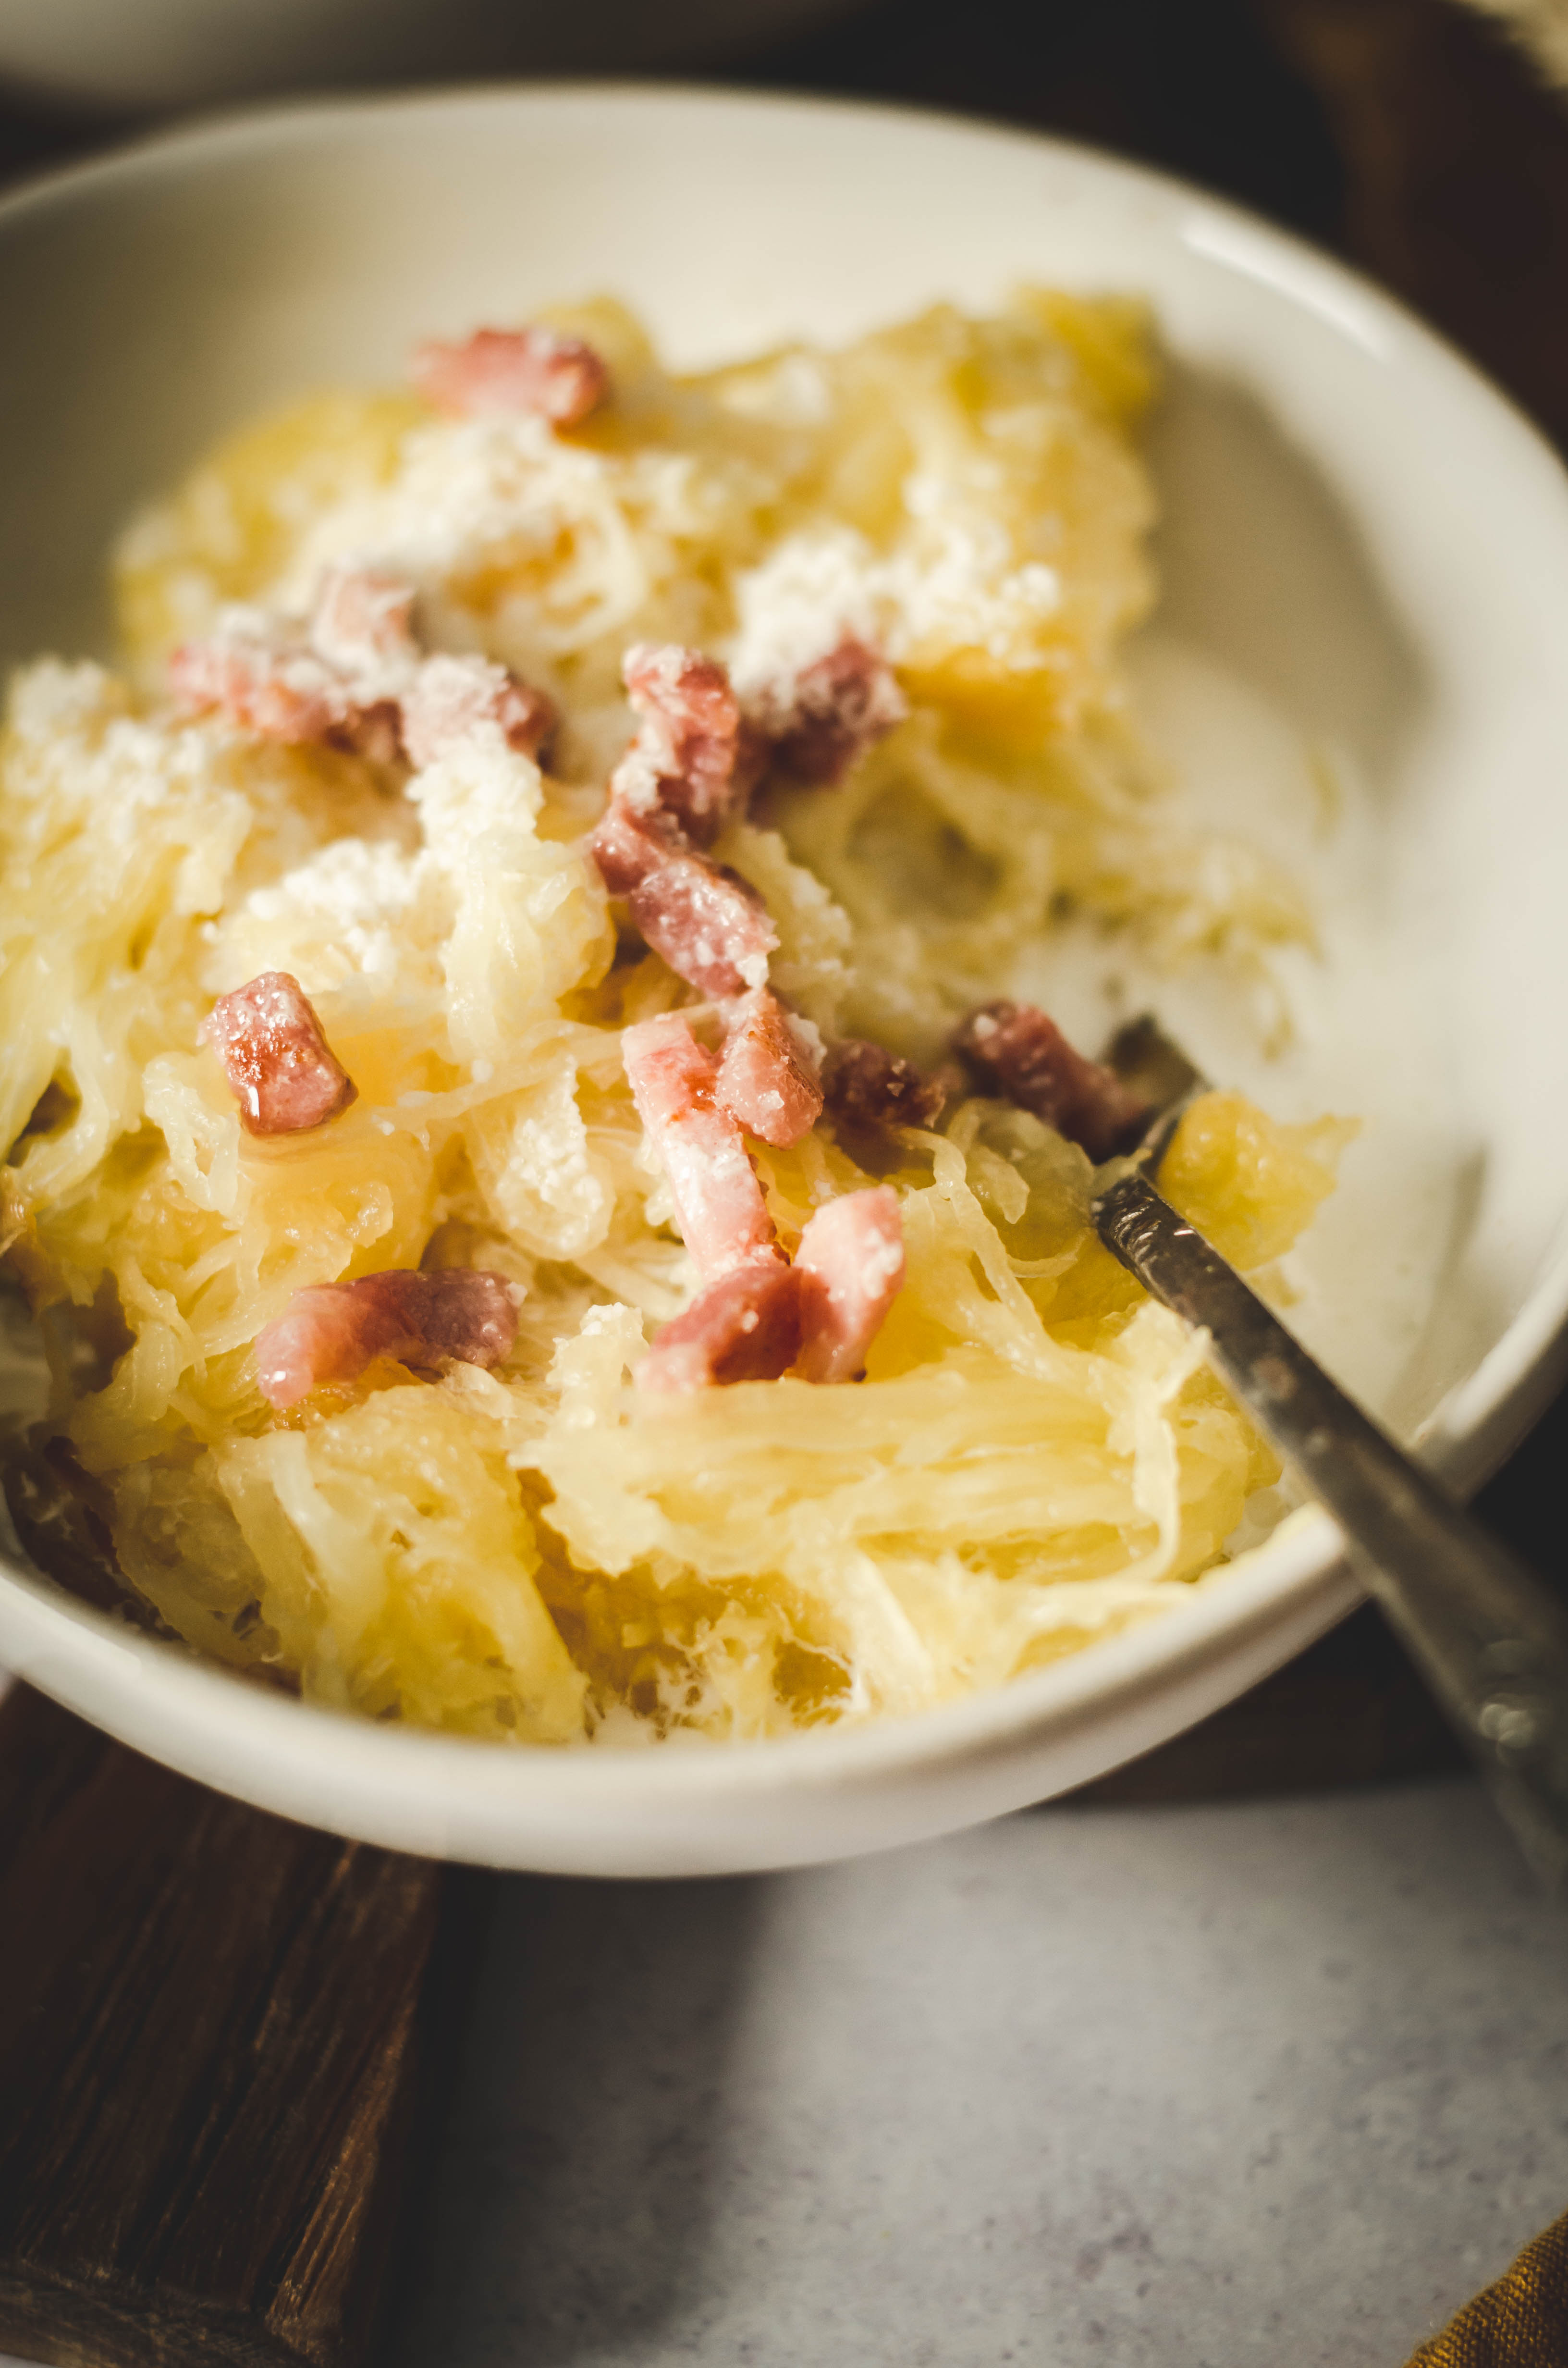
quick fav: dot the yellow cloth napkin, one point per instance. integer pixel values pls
(1520, 2322)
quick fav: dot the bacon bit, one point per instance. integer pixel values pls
(500, 372)
(340, 683)
(865, 1086)
(745, 1328)
(850, 1265)
(628, 849)
(1014, 1050)
(694, 758)
(331, 1331)
(373, 731)
(691, 766)
(358, 682)
(836, 709)
(766, 1077)
(723, 1218)
(450, 697)
(280, 1066)
(363, 622)
(707, 923)
(820, 1316)
(281, 694)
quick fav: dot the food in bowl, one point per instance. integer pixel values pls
(558, 1265)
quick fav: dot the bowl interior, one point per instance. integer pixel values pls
(1360, 663)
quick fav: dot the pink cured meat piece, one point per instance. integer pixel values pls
(363, 622)
(1015, 1051)
(850, 1265)
(745, 1328)
(449, 696)
(340, 684)
(628, 849)
(503, 372)
(865, 1086)
(824, 721)
(820, 1316)
(281, 1068)
(375, 732)
(723, 1218)
(691, 766)
(707, 923)
(360, 681)
(285, 695)
(695, 757)
(331, 1331)
(766, 1080)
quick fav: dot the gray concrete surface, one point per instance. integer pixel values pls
(1196, 2088)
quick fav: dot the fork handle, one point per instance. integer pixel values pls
(1491, 1638)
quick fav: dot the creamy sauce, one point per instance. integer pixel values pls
(1354, 1029)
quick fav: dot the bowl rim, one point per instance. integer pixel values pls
(1298, 1570)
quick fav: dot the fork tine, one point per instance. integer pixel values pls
(1151, 1063)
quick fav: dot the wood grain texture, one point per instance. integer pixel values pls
(213, 2030)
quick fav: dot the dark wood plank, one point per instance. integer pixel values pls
(215, 2030)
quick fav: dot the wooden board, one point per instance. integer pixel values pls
(216, 2029)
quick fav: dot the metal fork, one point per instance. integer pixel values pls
(1491, 1638)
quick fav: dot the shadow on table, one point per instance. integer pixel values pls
(1350, 1710)
(572, 2193)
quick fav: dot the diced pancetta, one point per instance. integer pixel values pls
(374, 731)
(745, 1328)
(691, 766)
(281, 1068)
(865, 1086)
(723, 1218)
(820, 721)
(358, 681)
(628, 849)
(507, 371)
(1014, 1050)
(450, 697)
(819, 1315)
(339, 681)
(363, 622)
(694, 759)
(851, 1267)
(331, 1331)
(767, 1078)
(284, 694)
(707, 923)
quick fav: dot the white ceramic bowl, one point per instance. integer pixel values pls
(1363, 541)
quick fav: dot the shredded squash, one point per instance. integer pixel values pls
(542, 1554)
